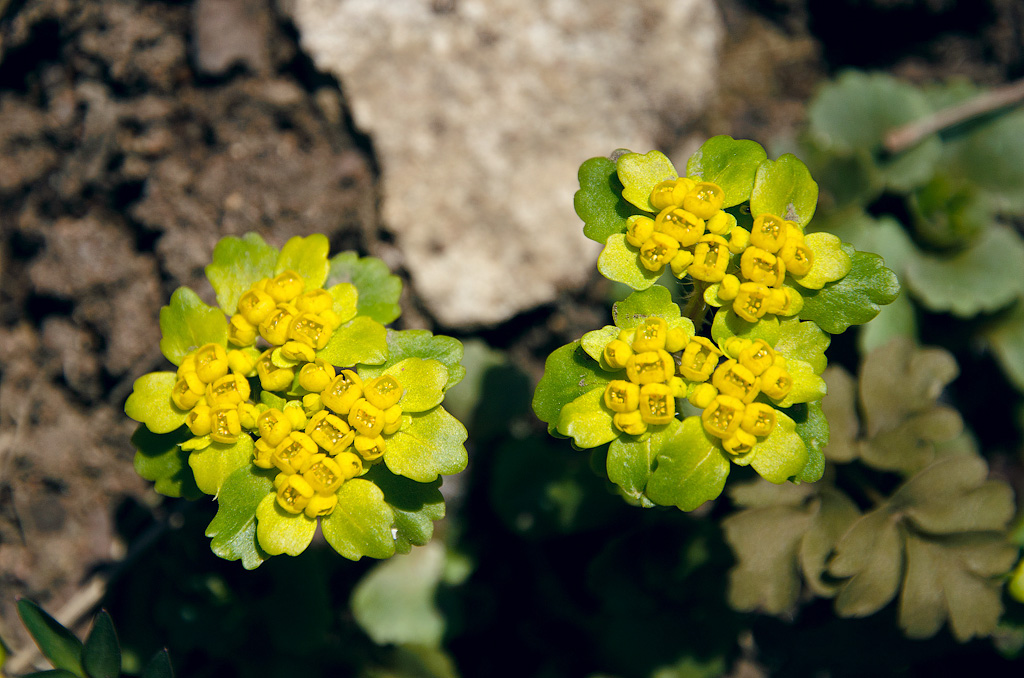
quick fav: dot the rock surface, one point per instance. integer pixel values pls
(481, 111)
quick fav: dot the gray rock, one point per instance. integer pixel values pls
(481, 112)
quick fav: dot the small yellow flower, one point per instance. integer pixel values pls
(723, 416)
(768, 233)
(622, 396)
(638, 229)
(285, 286)
(657, 404)
(699, 359)
(710, 259)
(680, 225)
(343, 391)
(657, 251)
(704, 200)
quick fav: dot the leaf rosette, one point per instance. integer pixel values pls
(294, 406)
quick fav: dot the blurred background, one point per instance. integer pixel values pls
(442, 136)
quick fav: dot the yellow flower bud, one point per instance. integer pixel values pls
(294, 413)
(739, 443)
(297, 351)
(710, 259)
(383, 392)
(365, 418)
(650, 335)
(676, 339)
(657, 251)
(285, 286)
(758, 419)
(392, 420)
(312, 403)
(757, 356)
(211, 361)
(681, 262)
(314, 301)
(678, 387)
(621, 396)
(255, 305)
(680, 225)
(733, 379)
(704, 199)
(723, 416)
(240, 331)
(670, 193)
(776, 383)
(322, 473)
(315, 376)
(247, 415)
(617, 353)
(699, 359)
(311, 330)
(739, 239)
(199, 421)
(650, 367)
(370, 448)
(224, 424)
(188, 364)
(243, 362)
(702, 395)
(768, 233)
(733, 346)
(751, 301)
(350, 464)
(343, 391)
(729, 287)
(657, 405)
(272, 377)
(261, 454)
(273, 426)
(630, 422)
(294, 493)
(293, 452)
(321, 505)
(330, 432)
(720, 223)
(638, 229)
(187, 391)
(228, 391)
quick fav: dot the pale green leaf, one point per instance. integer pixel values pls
(620, 262)
(424, 382)
(830, 261)
(587, 421)
(363, 340)
(803, 341)
(784, 188)
(150, 403)
(430, 445)
(631, 460)
(279, 531)
(807, 386)
(856, 298)
(159, 458)
(594, 342)
(212, 465)
(187, 323)
(727, 324)
(639, 175)
(782, 455)
(361, 524)
(402, 344)
(238, 264)
(307, 257)
(654, 302)
(416, 506)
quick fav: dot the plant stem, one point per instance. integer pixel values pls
(696, 309)
(907, 136)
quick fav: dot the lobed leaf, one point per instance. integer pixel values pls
(803, 341)
(402, 344)
(690, 468)
(361, 524)
(784, 188)
(727, 324)
(431, 445)
(379, 290)
(830, 263)
(783, 454)
(279, 531)
(187, 323)
(730, 163)
(856, 298)
(238, 264)
(212, 465)
(307, 257)
(599, 202)
(654, 302)
(639, 175)
(423, 382)
(631, 460)
(1006, 336)
(587, 421)
(233, 529)
(813, 428)
(416, 506)
(568, 373)
(150, 403)
(619, 261)
(363, 340)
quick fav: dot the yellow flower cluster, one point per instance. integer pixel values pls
(727, 400)
(294, 322)
(647, 395)
(688, 233)
(215, 394)
(335, 435)
(775, 247)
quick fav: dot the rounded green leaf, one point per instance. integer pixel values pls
(430, 445)
(379, 290)
(656, 302)
(630, 462)
(594, 342)
(784, 188)
(855, 299)
(730, 163)
(803, 341)
(690, 468)
(416, 506)
(281, 532)
(807, 385)
(727, 324)
(361, 524)
(160, 459)
(981, 279)
(856, 112)
(620, 262)
(150, 403)
(782, 455)
(363, 340)
(639, 175)
(587, 421)
(307, 257)
(568, 373)
(233, 529)
(239, 263)
(346, 300)
(187, 323)
(423, 380)
(831, 262)
(1007, 340)
(599, 202)
(101, 656)
(212, 465)
(402, 344)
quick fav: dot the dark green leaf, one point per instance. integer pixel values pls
(730, 163)
(813, 428)
(55, 642)
(159, 666)
(416, 506)
(856, 298)
(568, 373)
(101, 656)
(51, 673)
(1006, 337)
(159, 458)
(599, 202)
(379, 291)
(233, 529)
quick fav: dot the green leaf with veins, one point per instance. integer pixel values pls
(730, 163)
(639, 175)
(782, 455)
(363, 340)
(159, 458)
(599, 202)
(620, 262)
(187, 323)
(379, 290)
(402, 344)
(657, 302)
(431, 445)
(784, 188)
(238, 264)
(233, 529)
(307, 257)
(587, 421)
(631, 461)
(361, 524)
(423, 382)
(856, 298)
(690, 468)
(150, 403)
(568, 373)
(980, 279)
(803, 341)
(212, 465)
(831, 260)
